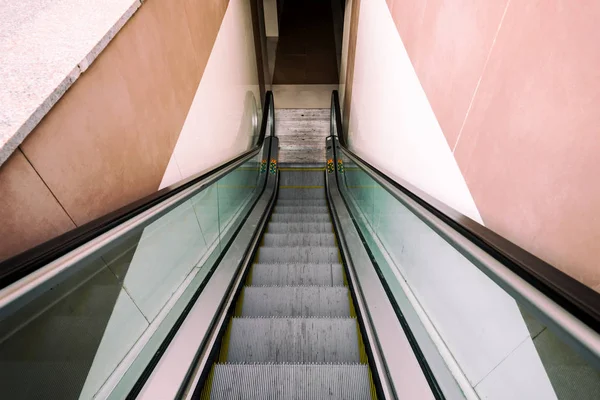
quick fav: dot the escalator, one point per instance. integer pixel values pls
(294, 324)
(269, 280)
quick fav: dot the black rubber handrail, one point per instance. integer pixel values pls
(575, 297)
(33, 259)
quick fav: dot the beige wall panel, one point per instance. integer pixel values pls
(526, 138)
(529, 149)
(347, 100)
(408, 16)
(448, 43)
(29, 215)
(109, 139)
(204, 20)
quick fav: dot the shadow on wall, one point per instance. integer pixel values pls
(514, 86)
(214, 127)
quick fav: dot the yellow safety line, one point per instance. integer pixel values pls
(249, 277)
(239, 304)
(225, 343)
(207, 389)
(373, 390)
(364, 359)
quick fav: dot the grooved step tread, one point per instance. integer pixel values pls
(286, 301)
(302, 340)
(290, 382)
(301, 193)
(299, 239)
(301, 203)
(300, 227)
(298, 217)
(297, 274)
(301, 209)
(302, 178)
(282, 255)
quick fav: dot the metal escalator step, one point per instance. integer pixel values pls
(302, 227)
(286, 301)
(283, 255)
(303, 193)
(299, 239)
(302, 178)
(301, 203)
(294, 217)
(297, 274)
(291, 382)
(298, 209)
(302, 340)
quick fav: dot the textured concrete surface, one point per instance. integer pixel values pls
(45, 47)
(302, 134)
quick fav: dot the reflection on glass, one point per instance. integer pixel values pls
(504, 352)
(67, 340)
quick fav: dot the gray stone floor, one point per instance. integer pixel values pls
(302, 134)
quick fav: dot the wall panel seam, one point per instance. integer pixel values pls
(196, 57)
(475, 91)
(47, 187)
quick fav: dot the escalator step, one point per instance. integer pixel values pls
(297, 217)
(297, 274)
(283, 255)
(299, 239)
(302, 178)
(301, 203)
(301, 194)
(291, 382)
(301, 340)
(300, 209)
(286, 301)
(284, 227)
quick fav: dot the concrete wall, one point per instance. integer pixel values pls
(219, 123)
(391, 122)
(489, 107)
(111, 137)
(513, 88)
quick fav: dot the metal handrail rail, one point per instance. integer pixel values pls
(561, 302)
(40, 264)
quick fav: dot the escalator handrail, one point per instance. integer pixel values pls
(565, 302)
(26, 263)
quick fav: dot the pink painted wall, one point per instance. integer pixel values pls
(515, 86)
